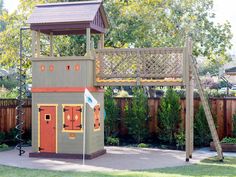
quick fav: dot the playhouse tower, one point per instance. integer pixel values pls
(59, 82)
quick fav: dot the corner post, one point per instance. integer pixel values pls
(51, 44)
(102, 39)
(88, 41)
(191, 99)
(33, 43)
(38, 43)
(187, 99)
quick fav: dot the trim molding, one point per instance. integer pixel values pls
(64, 89)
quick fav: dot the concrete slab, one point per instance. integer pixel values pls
(116, 158)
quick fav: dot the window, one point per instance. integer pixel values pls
(72, 118)
(97, 117)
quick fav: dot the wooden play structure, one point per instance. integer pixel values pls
(59, 82)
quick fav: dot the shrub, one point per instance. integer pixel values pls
(112, 141)
(180, 140)
(3, 146)
(169, 116)
(143, 145)
(229, 140)
(2, 137)
(234, 125)
(202, 135)
(137, 115)
(11, 135)
(112, 113)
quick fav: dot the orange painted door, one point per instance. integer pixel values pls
(77, 123)
(96, 117)
(47, 129)
(68, 118)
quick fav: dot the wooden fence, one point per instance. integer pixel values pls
(222, 108)
(8, 114)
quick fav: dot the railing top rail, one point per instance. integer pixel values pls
(158, 50)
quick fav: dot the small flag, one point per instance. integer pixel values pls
(90, 99)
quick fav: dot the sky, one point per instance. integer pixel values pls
(224, 10)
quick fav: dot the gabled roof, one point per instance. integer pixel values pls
(231, 71)
(69, 18)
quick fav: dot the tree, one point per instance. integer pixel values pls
(165, 23)
(2, 25)
(112, 113)
(137, 115)
(169, 117)
(149, 23)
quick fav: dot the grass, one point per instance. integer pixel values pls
(208, 167)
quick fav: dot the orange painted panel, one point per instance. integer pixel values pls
(77, 123)
(97, 117)
(47, 129)
(68, 118)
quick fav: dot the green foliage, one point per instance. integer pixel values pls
(143, 145)
(11, 135)
(8, 82)
(202, 135)
(169, 116)
(229, 140)
(234, 125)
(2, 137)
(4, 147)
(137, 114)
(112, 113)
(112, 141)
(180, 139)
(166, 23)
(146, 24)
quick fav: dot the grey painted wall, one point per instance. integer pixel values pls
(60, 77)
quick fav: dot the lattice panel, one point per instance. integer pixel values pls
(139, 64)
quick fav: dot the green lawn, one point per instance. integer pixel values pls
(209, 167)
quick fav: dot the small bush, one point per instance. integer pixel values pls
(143, 145)
(112, 113)
(2, 137)
(169, 116)
(4, 146)
(111, 141)
(234, 125)
(180, 140)
(137, 115)
(229, 140)
(202, 135)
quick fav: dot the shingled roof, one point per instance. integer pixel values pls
(69, 18)
(231, 71)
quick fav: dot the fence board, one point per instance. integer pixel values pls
(222, 109)
(8, 114)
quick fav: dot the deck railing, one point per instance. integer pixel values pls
(138, 65)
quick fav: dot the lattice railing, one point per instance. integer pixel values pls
(139, 65)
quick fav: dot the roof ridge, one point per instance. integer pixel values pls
(71, 3)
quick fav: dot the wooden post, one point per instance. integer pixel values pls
(99, 44)
(88, 40)
(33, 43)
(38, 44)
(51, 44)
(191, 99)
(102, 38)
(188, 95)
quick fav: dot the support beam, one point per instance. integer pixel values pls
(102, 39)
(187, 58)
(191, 99)
(38, 44)
(88, 41)
(33, 43)
(51, 44)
